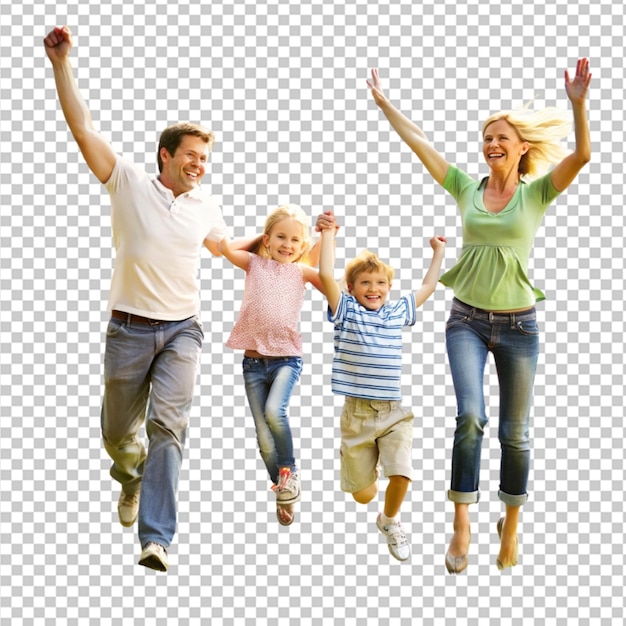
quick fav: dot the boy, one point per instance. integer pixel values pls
(366, 370)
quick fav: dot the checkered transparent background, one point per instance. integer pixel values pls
(282, 83)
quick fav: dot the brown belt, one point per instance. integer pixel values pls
(135, 319)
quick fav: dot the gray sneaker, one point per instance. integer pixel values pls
(288, 487)
(127, 508)
(396, 540)
(154, 556)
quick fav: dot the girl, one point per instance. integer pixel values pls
(493, 309)
(267, 330)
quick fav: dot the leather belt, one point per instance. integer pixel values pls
(135, 319)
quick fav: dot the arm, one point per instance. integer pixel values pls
(411, 134)
(97, 152)
(438, 244)
(565, 172)
(240, 244)
(327, 269)
(311, 276)
(314, 253)
(239, 258)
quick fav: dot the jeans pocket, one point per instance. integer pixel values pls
(456, 318)
(528, 327)
(115, 328)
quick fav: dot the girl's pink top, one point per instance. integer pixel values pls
(270, 312)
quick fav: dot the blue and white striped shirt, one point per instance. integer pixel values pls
(368, 347)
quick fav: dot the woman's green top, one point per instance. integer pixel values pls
(491, 272)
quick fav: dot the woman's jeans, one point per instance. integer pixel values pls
(150, 374)
(269, 384)
(513, 338)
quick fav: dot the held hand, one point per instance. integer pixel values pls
(376, 88)
(438, 243)
(58, 43)
(577, 88)
(326, 221)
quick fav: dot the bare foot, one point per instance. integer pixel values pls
(508, 545)
(459, 545)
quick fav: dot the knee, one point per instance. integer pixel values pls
(275, 416)
(364, 496)
(173, 428)
(514, 437)
(471, 422)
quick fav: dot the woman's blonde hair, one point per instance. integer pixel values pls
(543, 130)
(366, 261)
(283, 212)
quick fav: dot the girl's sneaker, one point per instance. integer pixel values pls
(288, 487)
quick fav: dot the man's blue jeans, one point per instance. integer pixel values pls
(269, 384)
(513, 339)
(150, 374)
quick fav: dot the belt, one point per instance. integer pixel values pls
(135, 319)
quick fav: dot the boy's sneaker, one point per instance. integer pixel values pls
(288, 487)
(154, 556)
(396, 539)
(127, 508)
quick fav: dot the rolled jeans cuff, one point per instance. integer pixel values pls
(510, 500)
(464, 497)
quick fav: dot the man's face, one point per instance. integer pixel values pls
(183, 171)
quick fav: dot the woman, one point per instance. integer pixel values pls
(493, 309)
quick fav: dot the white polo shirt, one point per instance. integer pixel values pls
(157, 239)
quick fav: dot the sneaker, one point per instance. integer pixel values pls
(288, 487)
(154, 556)
(127, 508)
(396, 540)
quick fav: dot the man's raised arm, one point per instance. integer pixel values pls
(97, 152)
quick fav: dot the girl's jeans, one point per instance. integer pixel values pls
(269, 384)
(150, 368)
(513, 338)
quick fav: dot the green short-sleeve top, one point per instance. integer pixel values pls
(491, 272)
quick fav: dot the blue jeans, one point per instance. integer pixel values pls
(150, 374)
(269, 384)
(513, 339)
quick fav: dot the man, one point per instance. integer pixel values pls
(154, 337)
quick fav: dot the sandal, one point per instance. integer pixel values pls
(285, 514)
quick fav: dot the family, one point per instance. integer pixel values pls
(154, 336)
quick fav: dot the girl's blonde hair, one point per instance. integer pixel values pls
(543, 130)
(283, 212)
(367, 262)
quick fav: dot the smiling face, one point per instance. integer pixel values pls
(285, 242)
(370, 289)
(183, 171)
(502, 146)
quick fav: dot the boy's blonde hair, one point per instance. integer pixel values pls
(543, 130)
(283, 212)
(366, 262)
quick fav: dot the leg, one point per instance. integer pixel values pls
(127, 361)
(364, 496)
(395, 494)
(284, 375)
(257, 388)
(467, 354)
(173, 377)
(516, 361)
(359, 452)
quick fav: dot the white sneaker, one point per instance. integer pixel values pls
(396, 539)
(288, 487)
(127, 508)
(154, 556)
